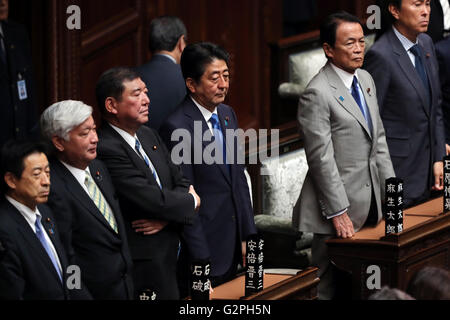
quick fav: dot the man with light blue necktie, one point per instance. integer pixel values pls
(33, 262)
(345, 146)
(155, 199)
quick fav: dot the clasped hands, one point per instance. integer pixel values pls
(153, 226)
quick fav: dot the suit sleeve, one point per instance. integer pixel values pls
(64, 216)
(384, 163)
(314, 118)
(194, 235)
(12, 282)
(444, 77)
(148, 199)
(440, 151)
(379, 69)
(247, 221)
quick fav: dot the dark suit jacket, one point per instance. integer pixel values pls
(166, 88)
(26, 271)
(443, 55)
(436, 24)
(141, 198)
(101, 253)
(414, 128)
(18, 117)
(226, 216)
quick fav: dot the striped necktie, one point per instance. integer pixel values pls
(147, 161)
(99, 201)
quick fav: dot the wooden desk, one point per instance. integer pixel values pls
(302, 286)
(424, 241)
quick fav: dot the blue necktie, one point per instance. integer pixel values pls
(218, 135)
(43, 240)
(362, 107)
(416, 51)
(147, 162)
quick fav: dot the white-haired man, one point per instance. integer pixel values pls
(83, 198)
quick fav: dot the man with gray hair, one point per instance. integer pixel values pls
(162, 75)
(83, 198)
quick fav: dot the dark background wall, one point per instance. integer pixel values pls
(67, 63)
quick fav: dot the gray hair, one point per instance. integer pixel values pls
(62, 117)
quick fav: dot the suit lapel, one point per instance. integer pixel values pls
(148, 144)
(367, 93)
(344, 98)
(134, 157)
(408, 69)
(427, 63)
(73, 187)
(31, 238)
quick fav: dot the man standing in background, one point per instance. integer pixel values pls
(18, 115)
(405, 70)
(162, 75)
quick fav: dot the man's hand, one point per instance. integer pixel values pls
(438, 172)
(197, 198)
(343, 226)
(447, 149)
(244, 253)
(148, 227)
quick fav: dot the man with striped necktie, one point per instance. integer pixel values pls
(85, 203)
(155, 198)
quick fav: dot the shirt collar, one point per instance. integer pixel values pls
(205, 112)
(167, 56)
(406, 43)
(347, 78)
(79, 174)
(131, 140)
(29, 215)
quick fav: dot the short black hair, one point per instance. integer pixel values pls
(196, 56)
(329, 27)
(13, 154)
(110, 84)
(165, 32)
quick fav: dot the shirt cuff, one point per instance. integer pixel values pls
(337, 214)
(195, 201)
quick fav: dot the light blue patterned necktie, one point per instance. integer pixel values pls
(45, 244)
(147, 162)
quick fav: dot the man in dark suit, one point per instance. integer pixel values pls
(82, 193)
(443, 56)
(18, 115)
(225, 219)
(439, 25)
(32, 259)
(154, 197)
(162, 74)
(405, 70)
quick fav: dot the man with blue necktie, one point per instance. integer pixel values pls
(225, 219)
(345, 146)
(32, 259)
(404, 67)
(155, 198)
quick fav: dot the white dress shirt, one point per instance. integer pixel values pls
(206, 114)
(30, 216)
